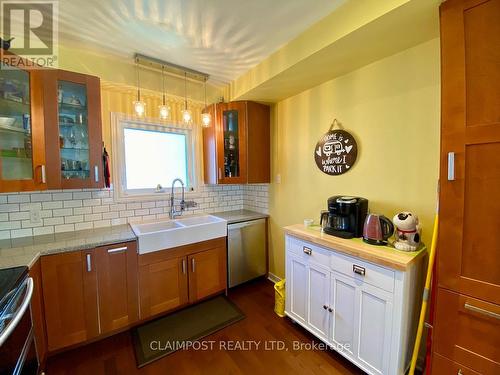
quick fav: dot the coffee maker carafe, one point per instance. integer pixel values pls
(345, 216)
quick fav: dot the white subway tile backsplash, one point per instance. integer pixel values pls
(91, 208)
(83, 226)
(62, 212)
(82, 195)
(21, 233)
(62, 196)
(64, 228)
(43, 230)
(53, 221)
(18, 198)
(73, 203)
(41, 197)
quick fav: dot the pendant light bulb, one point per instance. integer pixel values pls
(139, 105)
(186, 114)
(164, 108)
(206, 117)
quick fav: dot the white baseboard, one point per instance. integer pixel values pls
(273, 277)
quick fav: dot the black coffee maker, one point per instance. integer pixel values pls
(345, 216)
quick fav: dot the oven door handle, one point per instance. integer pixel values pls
(19, 313)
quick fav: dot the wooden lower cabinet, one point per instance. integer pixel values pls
(175, 277)
(89, 293)
(116, 269)
(207, 273)
(163, 286)
(443, 366)
(70, 299)
(467, 331)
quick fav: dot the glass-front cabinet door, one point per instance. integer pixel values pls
(75, 131)
(22, 154)
(231, 143)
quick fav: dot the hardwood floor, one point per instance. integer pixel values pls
(115, 355)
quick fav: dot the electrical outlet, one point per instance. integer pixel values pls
(35, 217)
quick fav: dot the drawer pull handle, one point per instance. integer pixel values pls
(89, 263)
(325, 307)
(307, 250)
(459, 372)
(359, 270)
(330, 309)
(479, 310)
(117, 250)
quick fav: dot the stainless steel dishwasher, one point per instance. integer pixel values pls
(246, 251)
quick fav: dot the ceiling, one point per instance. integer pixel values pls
(224, 38)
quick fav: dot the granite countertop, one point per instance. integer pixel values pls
(25, 251)
(238, 216)
(382, 255)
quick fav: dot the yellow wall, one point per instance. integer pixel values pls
(393, 108)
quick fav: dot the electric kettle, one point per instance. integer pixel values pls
(377, 229)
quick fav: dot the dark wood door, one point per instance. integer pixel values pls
(70, 298)
(207, 273)
(22, 140)
(116, 268)
(73, 132)
(468, 249)
(231, 139)
(163, 286)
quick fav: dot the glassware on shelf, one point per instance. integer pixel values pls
(231, 144)
(15, 125)
(73, 129)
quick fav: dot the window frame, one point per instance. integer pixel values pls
(119, 123)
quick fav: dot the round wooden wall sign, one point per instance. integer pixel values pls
(336, 152)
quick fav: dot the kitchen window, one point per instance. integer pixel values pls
(149, 154)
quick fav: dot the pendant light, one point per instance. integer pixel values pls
(139, 105)
(186, 114)
(206, 117)
(164, 108)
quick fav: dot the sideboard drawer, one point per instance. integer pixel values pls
(309, 251)
(442, 366)
(380, 277)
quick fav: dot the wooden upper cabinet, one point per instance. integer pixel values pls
(236, 146)
(468, 251)
(73, 131)
(22, 140)
(207, 273)
(70, 296)
(116, 268)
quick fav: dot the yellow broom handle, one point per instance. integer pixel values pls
(426, 296)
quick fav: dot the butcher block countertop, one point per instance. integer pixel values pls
(382, 255)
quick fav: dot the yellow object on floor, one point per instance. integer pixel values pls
(279, 303)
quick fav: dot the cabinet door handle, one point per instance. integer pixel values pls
(89, 263)
(192, 265)
(184, 266)
(117, 250)
(359, 270)
(96, 173)
(451, 166)
(325, 307)
(220, 173)
(330, 309)
(307, 250)
(44, 175)
(479, 310)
